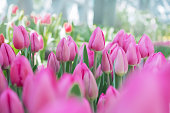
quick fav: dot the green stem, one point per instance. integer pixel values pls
(92, 105)
(118, 81)
(8, 75)
(70, 66)
(63, 67)
(95, 63)
(108, 79)
(33, 59)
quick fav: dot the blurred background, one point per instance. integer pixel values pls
(137, 17)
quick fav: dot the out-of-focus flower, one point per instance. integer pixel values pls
(63, 51)
(68, 27)
(53, 63)
(97, 40)
(121, 63)
(10, 103)
(133, 54)
(106, 63)
(39, 90)
(41, 41)
(2, 38)
(46, 19)
(73, 48)
(89, 52)
(35, 43)
(99, 71)
(20, 37)
(146, 47)
(119, 38)
(8, 55)
(127, 40)
(20, 69)
(28, 23)
(91, 90)
(14, 9)
(3, 82)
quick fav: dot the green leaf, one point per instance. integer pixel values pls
(60, 72)
(85, 56)
(67, 66)
(35, 68)
(75, 90)
(74, 63)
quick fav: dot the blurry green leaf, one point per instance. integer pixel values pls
(85, 56)
(67, 66)
(75, 91)
(35, 68)
(74, 63)
(60, 72)
(15, 50)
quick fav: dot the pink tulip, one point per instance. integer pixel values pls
(14, 9)
(156, 60)
(97, 40)
(127, 40)
(63, 51)
(133, 54)
(53, 63)
(39, 90)
(10, 103)
(2, 38)
(72, 105)
(46, 19)
(8, 55)
(91, 90)
(73, 48)
(3, 82)
(68, 27)
(121, 63)
(35, 44)
(145, 46)
(113, 51)
(40, 38)
(20, 69)
(20, 37)
(89, 52)
(1, 58)
(106, 63)
(119, 38)
(99, 71)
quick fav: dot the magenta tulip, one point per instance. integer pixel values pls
(91, 90)
(119, 38)
(133, 54)
(127, 40)
(73, 48)
(8, 55)
(3, 82)
(97, 40)
(99, 71)
(89, 52)
(63, 51)
(146, 47)
(20, 37)
(121, 63)
(1, 58)
(40, 38)
(35, 44)
(113, 51)
(106, 63)
(10, 103)
(53, 63)
(20, 69)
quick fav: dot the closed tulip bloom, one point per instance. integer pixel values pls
(68, 27)
(146, 47)
(121, 63)
(2, 38)
(63, 51)
(14, 9)
(91, 90)
(127, 40)
(73, 48)
(8, 55)
(3, 82)
(20, 37)
(53, 63)
(10, 103)
(35, 44)
(119, 38)
(99, 71)
(46, 19)
(89, 52)
(19, 71)
(97, 40)
(40, 38)
(106, 63)
(113, 51)
(133, 54)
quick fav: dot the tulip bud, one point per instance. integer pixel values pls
(73, 48)
(133, 54)
(99, 71)
(146, 47)
(113, 51)
(106, 63)
(14, 9)
(40, 38)
(10, 103)
(63, 51)
(46, 19)
(89, 52)
(35, 44)
(20, 37)
(53, 63)
(97, 40)
(91, 89)
(19, 71)
(2, 38)
(3, 82)
(121, 63)
(119, 38)
(68, 27)
(127, 40)
(8, 55)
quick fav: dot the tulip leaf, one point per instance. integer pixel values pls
(67, 66)
(35, 68)
(85, 56)
(75, 90)
(60, 72)
(74, 63)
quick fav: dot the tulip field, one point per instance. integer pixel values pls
(42, 72)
